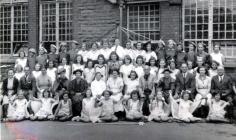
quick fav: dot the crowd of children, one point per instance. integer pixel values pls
(105, 82)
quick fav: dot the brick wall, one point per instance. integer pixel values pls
(170, 21)
(94, 18)
(33, 24)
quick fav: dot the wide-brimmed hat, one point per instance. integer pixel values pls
(166, 70)
(32, 50)
(75, 42)
(78, 70)
(54, 46)
(61, 70)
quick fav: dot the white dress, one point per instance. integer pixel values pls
(89, 110)
(153, 70)
(139, 52)
(131, 53)
(65, 108)
(68, 70)
(107, 108)
(114, 85)
(36, 74)
(102, 69)
(134, 108)
(119, 50)
(148, 55)
(139, 71)
(18, 75)
(184, 109)
(131, 85)
(157, 111)
(203, 87)
(217, 109)
(52, 74)
(20, 108)
(97, 87)
(217, 57)
(89, 74)
(125, 70)
(93, 55)
(84, 54)
(21, 62)
(46, 108)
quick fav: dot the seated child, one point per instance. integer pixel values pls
(47, 103)
(217, 110)
(182, 109)
(19, 108)
(134, 107)
(107, 108)
(89, 112)
(159, 109)
(64, 108)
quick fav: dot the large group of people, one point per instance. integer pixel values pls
(105, 82)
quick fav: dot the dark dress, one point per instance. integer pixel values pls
(31, 61)
(77, 86)
(53, 57)
(166, 84)
(180, 58)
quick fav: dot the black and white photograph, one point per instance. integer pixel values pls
(117, 69)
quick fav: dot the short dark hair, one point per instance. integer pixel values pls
(135, 92)
(132, 71)
(110, 92)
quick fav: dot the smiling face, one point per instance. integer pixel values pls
(186, 96)
(21, 95)
(202, 71)
(79, 59)
(10, 74)
(162, 63)
(37, 67)
(132, 75)
(149, 47)
(127, 60)
(146, 70)
(50, 64)
(128, 45)
(98, 76)
(63, 61)
(106, 95)
(184, 68)
(65, 97)
(139, 46)
(115, 74)
(46, 94)
(135, 97)
(159, 95)
(88, 93)
(100, 60)
(22, 54)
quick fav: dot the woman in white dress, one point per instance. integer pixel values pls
(203, 87)
(84, 52)
(64, 64)
(139, 66)
(217, 56)
(126, 68)
(22, 60)
(98, 85)
(115, 84)
(37, 71)
(78, 64)
(51, 71)
(213, 70)
(139, 51)
(131, 85)
(94, 52)
(153, 66)
(19, 72)
(149, 52)
(174, 70)
(162, 66)
(101, 67)
(89, 72)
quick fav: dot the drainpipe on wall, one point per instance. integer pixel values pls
(121, 5)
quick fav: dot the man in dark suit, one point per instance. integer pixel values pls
(28, 83)
(185, 81)
(9, 90)
(222, 84)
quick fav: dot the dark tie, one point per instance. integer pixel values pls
(184, 77)
(221, 79)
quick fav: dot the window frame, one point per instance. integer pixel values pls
(148, 30)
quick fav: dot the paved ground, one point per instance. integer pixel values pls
(116, 131)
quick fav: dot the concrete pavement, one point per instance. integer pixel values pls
(116, 131)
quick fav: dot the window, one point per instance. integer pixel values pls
(5, 29)
(56, 21)
(196, 19)
(144, 22)
(224, 19)
(13, 26)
